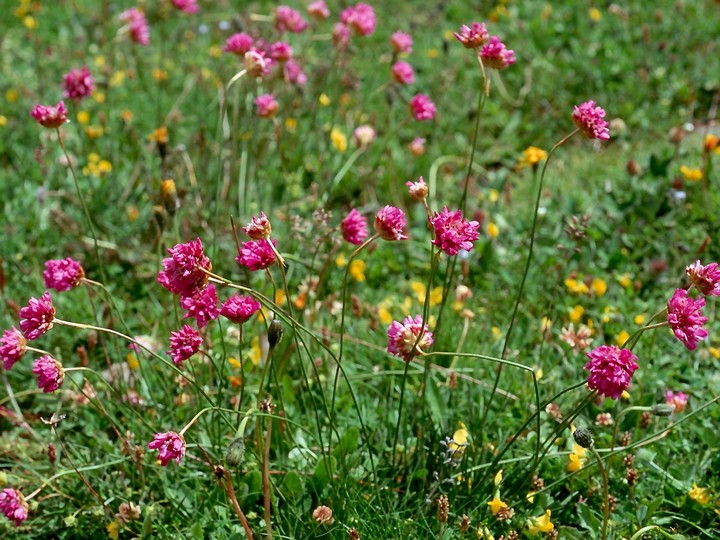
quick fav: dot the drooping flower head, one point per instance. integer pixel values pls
(390, 223)
(37, 317)
(340, 35)
(354, 227)
(62, 274)
(402, 72)
(418, 191)
(686, 318)
(13, 505)
(495, 55)
(361, 18)
(422, 107)
(589, 119)
(676, 399)
(453, 232)
(259, 227)
(288, 19)
(705, 278)
(49, 372)
(318, 10)
(401, 42)
(473, 36)
(266, 106)
(13, 346)
(364, 136)
(239, 44)
(183, 344)
(610, 370)
(49, 116)
(202, 305)
(137, 25)
(256, 255)
(239, 309)
(402, 337)
(184, 271)
(256, 64)
(78, 83)
(188, 6)
(170, 445)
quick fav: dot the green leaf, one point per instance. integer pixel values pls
(292, 486)
(589, 520)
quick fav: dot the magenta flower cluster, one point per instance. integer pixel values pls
(495, 55)
(401, 42)
(266, 106)
(360, 18)
(49, 116)
(185, 271)
(62, 274)
(170, 445)
(354, 227)
(202, 306)
(289, 20)
(610, 370)
(453, 232)
(685, 317)
(13, 505)
(239, 44)
(402, 72)
(239, 309)
(422, 107)
(187, 6)
(589, 119)
(49, 372)
(473, 36)
(13, 347)
(403, 336)
(137, 24)
(37, 317)
(183, 344)
(78, 83)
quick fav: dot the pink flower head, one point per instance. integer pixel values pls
(266, 106)
(495, 55)
(401, 42)
(49, 372)
(202, 305)
(403, 73)
(256, 255)
(403, 336)
(259, 227)
(13, 505)
(137, 25)
(686, 318)
(354, 227)
(281, 51)
(184, 270)
(705, 278)
(417, 146)
(62, 274)
(12, 347)
(453, 233)
(418, 191)
(49, 116)
(239, 44)
(361, 18)
(590, 121)
(239, 309)
(184, 343)
(610, 370)
(170, 446)
(288, 19)
(676, 399)
(318, 10)
(364, 136)
(256, 64)
(293, 73)
(390, 223)
(422, 108)
(37, 317)
(474, 36)
(78, 83)
(340, 35)
(188, 6)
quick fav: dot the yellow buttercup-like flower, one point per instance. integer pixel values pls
(621, 338)
(599, 287)
(576, 313)
(691, 175)
(357, 270)
(699, 495)
(532, 155)
(496, 504)
(338, 139)
(541, 524)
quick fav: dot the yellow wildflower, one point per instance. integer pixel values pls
(538, 372)
(132, 360)
(419, 289)
(384, 314)
(83, 117)
(608, 312)
(575, 464)
(714, 352)
(711, 142)
(159, 135)
(699, 495)
(160, 74)
(324, 100)
(541, 524)
(11, 96)
(234, 362)
(357, 270)
(215, 51)
(599, 286)
(341, 260)
(234, 380)
(639, 319)
(99, 60)
(291, 125)
(99, 97)
(624, 280)
(94, 132)
(118, 78)
(459, 439)
(532, 155)
(407, 306)
(433, 53)
(126, 115)
(622, 338)
(496, 504)
(492, 230)
(493, 195)
(691, 175)
(498, 477)
(3, 120)
(30, 22)
(576, 287)
(113, 529)
(339, 140)
(595, 14)
(279, 297)
(576, 313)
(625, 395)
(436, 296)
(496, 332)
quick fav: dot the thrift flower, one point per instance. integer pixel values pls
(37, 317)
(170, 446)
(13, 505)
(422, 108)
(266, 106)
(293, 73)
(256, 255)
(453, 233)
(390, 223)
(402, 337)
(137, 25)
(364, 136)
(495, 55)
(610, 370)
(13, 346)
(281, 51)
(340, 35)
(49, 372)
(63, 274)
(202, 305)
(78, 83)
(676, 399)
(256, 64)
(318, 10)
(686, 318)
(183, 344)
(401, 42)
(361, 18)
(541, 524)
(239, 44)
(49, 116)
(259, 228)
(697, 494)
(402, 73)
(288, 19)
(184, 272)
(589, 120)
(239, 309)
(323, 515)
(354, 227)
(188, 6)
(705, 278)
(418, 191)
(472, 37)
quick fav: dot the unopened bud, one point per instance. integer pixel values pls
(275, 332)
(583, 437)
(663, 409)
(235, 452)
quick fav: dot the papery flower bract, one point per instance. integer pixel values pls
(611, 369)
(390, 223)
(403, 73)
(705, 278)
(259, 227)
(49, 116)
(184, 343)
(318, 10)
(78, 83)
(472, 37)
(418, 191)
(185, 270)
(453, 232)
(363, 136)
(361, 18)
(13, 346)
(188, 6)
(293, 73)
(340, 35)
(686, 318)
(541, 524)
(281, 51)
(49, 372)
(402, 337)
(62, 274)
(256, 255)
(239, 44)
(495, 55)
(37, 317)
(256, 64)
(239, 309)
(202, 305)
(589, 119)
(266, 106)
(137, 25)
(422, 107)
(288, 19)
(170, 445)
(354, 227)
(676, 399)
(13, 505)
(401, 42)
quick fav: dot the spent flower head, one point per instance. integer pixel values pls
(170, 445)
(256, 64)
(418, 191)
(589, 119)
(363, 136)
(610, 370)
(259, 227)
(62, 274)
(676, 399)
(402, 337)
(705, 278)
(686, 319)
(37, 317)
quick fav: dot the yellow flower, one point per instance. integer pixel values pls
(621, 338)
(113, 529)
(30, 22)
(625, 395)
(345, 99)
(357, 270)
(291, 125)
(384, 315)
(541, 524)
(575, 464)
(498, 478)
(599, 287)
(639, 319)
(11, 96)
(94, 132)
(159, 135)
(624, 280)
(3, 120)
(496, 332)
(99, 61)
(711, 142)
(576, 313)
(215, 51)
(126, 115)
(433, 53)
(493, 195)
(492, 230)
(692, 175)
(118, 78)
(419, 289)
(496, 504)
(341, 260)
(234, 362)
(159, 74)
(279, 297)
(436, 296)
(99, 97)
(339, 140)
(576, 287)
(324, 100)
(545, 325)
(132, 213)
(595, 14)
(83, 117)
(459, 439)
(538, 372)
(532, 155)
(407, 306)
(132, 360)
(714, 352)
(608, 312)
(699, 495)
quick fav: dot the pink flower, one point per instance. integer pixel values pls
(418, 191)
(188, 6)
(287, 19)
(239, 309)
(238, 44)
(677, 400)
(202, 305)
(401, 42)
(256, 64)
(422, 108)
(610, 370)
(62, 274)
(402, 338)
(256, 255)
(184, 271)
(318, 10)
(417, 146)
(340, 35)
(453, 233)
(495, 55)
(266, 106)
(37, 317)
(364, 136)
(170, 446)
(137, 25)
(259, 227)
(13, 505)
(49, 116)
(281, 51)
(686, 318)
(183, 344)
(13, 346)
(472, 37)
(354, 227)
(390, 223)
(293, 73)
(361, 18)
(589, 120)
(705, 278)
(78, 83)
(403, 73)
(49, 372)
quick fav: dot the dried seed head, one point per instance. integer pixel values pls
(443, 506)
(583, 437)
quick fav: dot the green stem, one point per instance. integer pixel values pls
(606, 508)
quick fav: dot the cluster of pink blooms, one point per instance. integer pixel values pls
(340, 35)
(266, 106)
(185, 271)
(705, 278)
(258, 254)
(202, 305)
(49, 116)
(183, 344)
(402, 338)
(318, 10)
(239, 44)
(422, 107)
(453, 232)
(78, 83)
(676, 399)
(354, 227)
(281, 51)
(589, 119)
(49, 372)
(169, 445)
(13, 505)
(37, 317)
(402, 72)
(137, 25)
(686, 319)
(239, 309)
(473, 36)
(188, 6)
(62, 274)
(13, 347)
(495, 55)
(610, 370)
(360, 18)
(290, 20)
(401, 42)
(390, 223)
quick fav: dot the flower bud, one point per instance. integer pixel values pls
(583, 437)
(663, 409)
(275, 332)
(235, 452)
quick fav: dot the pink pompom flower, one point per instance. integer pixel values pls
(402, 338)
(610, 370)
(340, 35)
(401, 42)
(589, 119)
(239, 309)
(402, 72)
(202, 305)
(676, 399)
(318, 10)
(280, 51)
(390, 223)
(453, 232)
(188, 6)
(13, 505)
(137, 25)
(49, 372)
(63, 274)
(257, 255)
(78, 83)
(422, 107)
(266, 106)
(354, 227)
(473, 36)
(13, 346)
(259, 227)
(170, 445)
(288, 19)
(361, 18)
(293, 73)
(49, 116)
(183, 344)
(184, 272)
(256, 64)
(239, 44)
(37, 317)
(495, 55)
(705, 278)
(418, 191)
(686, 318)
